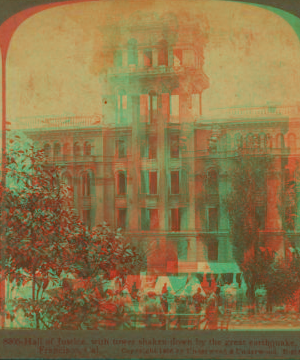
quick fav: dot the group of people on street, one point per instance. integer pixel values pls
(166, 310)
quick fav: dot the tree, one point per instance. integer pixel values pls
(248, 180)
(38, 221)
(45, 239)
(100, 255)
(257, 259)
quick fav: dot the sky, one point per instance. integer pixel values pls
(252, 56)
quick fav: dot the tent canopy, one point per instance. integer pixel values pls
(218, 268)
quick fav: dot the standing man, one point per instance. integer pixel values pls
(213, 310)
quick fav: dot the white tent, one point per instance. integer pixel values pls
(161, 281)
(192, 286)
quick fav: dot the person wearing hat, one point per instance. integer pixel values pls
(164, 298)
(153, 311)
(213, 309)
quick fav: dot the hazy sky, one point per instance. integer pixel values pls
(252, 56)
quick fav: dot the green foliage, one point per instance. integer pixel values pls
(248, 179)
(259, 264)
(45, 239)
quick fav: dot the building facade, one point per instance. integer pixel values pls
(155, 166)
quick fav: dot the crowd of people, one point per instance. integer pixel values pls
(202, 308)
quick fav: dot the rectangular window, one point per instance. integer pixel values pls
(148, 58)
(145, 219)
(213, 251)
(152, 146)
(149, 147)
(174, 146)
(174, 182)
(87, 218)
(213, 219)
(122, 218)
(175, 219)
(153, 182)
(163, 57)
(144, 182)
(121, 149)
(122, 183)
(148, 182)
(149, 219)
(154, 219)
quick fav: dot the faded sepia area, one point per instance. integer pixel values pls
(152, 168)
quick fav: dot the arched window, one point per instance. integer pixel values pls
(47, 150)
(87, 149)
(279, 141)
(86, 184)
(212, 182)
(250, 141)
(77, 149)
(292, 141)
(57, 151)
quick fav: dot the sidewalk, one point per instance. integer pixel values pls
(272, 321)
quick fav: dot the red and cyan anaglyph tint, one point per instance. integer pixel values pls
(152, 168)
